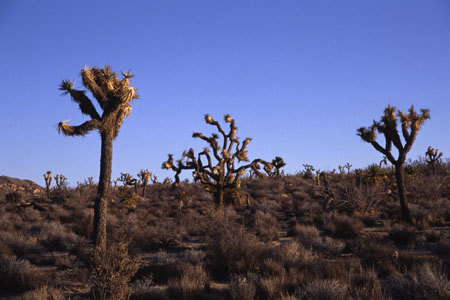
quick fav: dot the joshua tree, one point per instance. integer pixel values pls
(48, 182)
(277, 164)
(308, 172)
(60, 180)
(223, 177)
(144, 176)
(128, 180)
(410, 123)
(433, 156)
(113, 95)
(348, 166)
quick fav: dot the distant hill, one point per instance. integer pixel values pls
(6, 180)
(24, 186)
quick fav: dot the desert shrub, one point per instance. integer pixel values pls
(271, 267)
(324, 290)
(379, 256)
(422, 282)
(233, 250)
(264, 225)
(403, 235)
(54, 236)
(13, 197)
(364, 284)
(306, 235)
(63, 262)
(243, 287)
(111, 272)
(18, 275)
(218, 219)
(329, 246)
(44, 293)
(84, 223)
(342, 226)
(193, 223)
(19, 244)
(164, 235)
(292, 252)
(163, 268)
(190, 283)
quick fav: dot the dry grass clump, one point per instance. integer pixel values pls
(18, 244)
(44, 293)
(324, 290)
(421, 282)
(291, 253)
(110, 273)
(190, 283)
(364, 284)
(329, 246)
(18, 274)
(143, 289)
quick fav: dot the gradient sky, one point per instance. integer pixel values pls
(298, 76)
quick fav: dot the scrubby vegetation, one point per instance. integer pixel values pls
(340, 239)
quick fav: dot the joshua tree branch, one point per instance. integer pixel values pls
(80, 97)
(89, 82)
(80, 130)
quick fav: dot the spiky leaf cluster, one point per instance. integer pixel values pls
(113, 95)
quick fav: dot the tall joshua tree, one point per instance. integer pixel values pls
(113, 95)
(410, 123)
(222, 178)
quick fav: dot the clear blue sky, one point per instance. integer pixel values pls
(298, 76)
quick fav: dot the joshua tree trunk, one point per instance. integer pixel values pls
(433, 167)
(101, 202)
(144, 188)
(400, 176)
(219, 195)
